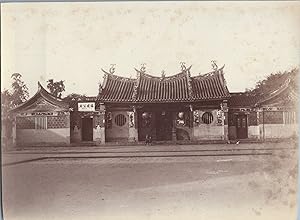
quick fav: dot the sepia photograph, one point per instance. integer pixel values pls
(119, 110)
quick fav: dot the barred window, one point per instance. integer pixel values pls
(41, 123)
(289, 117)
(207, 117)
(120, 120)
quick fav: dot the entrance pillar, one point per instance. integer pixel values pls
(133, 130)
(174, 138)
(224, 108)
(99, 126)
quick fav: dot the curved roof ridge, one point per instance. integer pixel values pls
(175, 76)
(211, 73)
(117, 76)
(42, 89)
(276, 92)
(43, 93)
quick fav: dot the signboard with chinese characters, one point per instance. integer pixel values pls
(220, 117)
(86, 106)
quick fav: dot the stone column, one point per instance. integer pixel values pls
(174, 138)
(224, 108)
(99, 136)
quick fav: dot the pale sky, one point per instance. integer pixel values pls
(73, 41)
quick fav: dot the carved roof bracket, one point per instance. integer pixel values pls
(189, 82)
(136, 86)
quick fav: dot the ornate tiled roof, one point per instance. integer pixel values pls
(210, 86)
(158, 89)
(116, 89)
(242, 99)
(177, 88)
(39, 98)
(283, 96)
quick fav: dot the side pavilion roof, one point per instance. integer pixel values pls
(42, 101)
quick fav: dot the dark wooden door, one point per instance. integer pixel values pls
(241, 126)
(163, 126)
(87, 129)
(146, 126)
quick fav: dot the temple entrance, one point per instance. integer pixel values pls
(157, 124)
(241, 127)
(163, 126)
(87, 129)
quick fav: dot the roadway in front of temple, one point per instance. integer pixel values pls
(219, 181)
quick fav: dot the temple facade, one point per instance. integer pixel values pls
(177, 108)
(42, 120)
(272, 117)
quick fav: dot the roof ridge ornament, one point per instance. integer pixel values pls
(100, 89)
(112, 68)
(163, 75)
(182, 66)
(214, 65)
(143, 68)
(136, 85)
(39, 86)
(188, 77)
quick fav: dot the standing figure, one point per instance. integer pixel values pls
(148, 139)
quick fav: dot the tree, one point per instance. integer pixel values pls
(6, 101)
(19, 90)
(73, 97)
(6, 105)
(56, 88)
(274, 81)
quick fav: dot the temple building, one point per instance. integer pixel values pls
(177, 108)
(41, 120)
(272, 117)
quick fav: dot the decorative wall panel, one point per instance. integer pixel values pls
(57, 122)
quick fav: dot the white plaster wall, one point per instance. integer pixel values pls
(40, 136)
(118, 132)
(99, 135)
(133, 134)
(253, 131)
(208, 132)
(278, 130)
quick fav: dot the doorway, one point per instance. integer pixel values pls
(87, 129)
(241, 127)
(163, 126)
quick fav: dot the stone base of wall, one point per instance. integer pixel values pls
(253, 132)
(207, 132)
(59, 136)
(274, 131)
(99, 135)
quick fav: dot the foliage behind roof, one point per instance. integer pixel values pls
(283, 96)
(42, 94)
